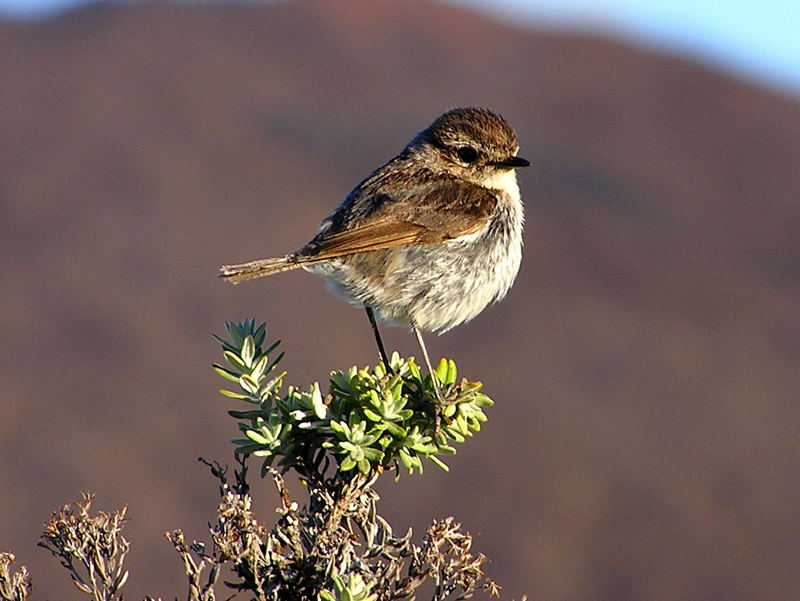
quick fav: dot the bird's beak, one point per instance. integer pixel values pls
(513, 163)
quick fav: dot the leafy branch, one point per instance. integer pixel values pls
(334, 546)
(369, 419)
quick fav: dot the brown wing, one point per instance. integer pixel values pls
(423, 215)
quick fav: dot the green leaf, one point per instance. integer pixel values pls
(439, 462)
(394, 429)
(235, 361)
(446, 450)
(275, 362)
(408, 460)
(248, 384)
(454, 434)
(340, 428)
(260, 334)
(252, 414)
(267, 389)
(483, 401)
(234, 395)
(234, 331)
(372, 415)
(318, 405)
(251, 449)
(372, 454)
(248, 351)
(257, 437)
(272, 346)
(225, 373)
(259, 368)
(441, 371)
(424, 447)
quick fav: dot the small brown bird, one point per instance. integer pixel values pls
(430, 238)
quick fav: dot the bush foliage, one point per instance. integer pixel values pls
(332, 547)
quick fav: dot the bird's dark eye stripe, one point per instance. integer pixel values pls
(467, 154)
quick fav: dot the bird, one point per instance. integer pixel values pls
(428, 239)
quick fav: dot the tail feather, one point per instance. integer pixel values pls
(257, 269)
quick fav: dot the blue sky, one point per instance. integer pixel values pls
(759, 40)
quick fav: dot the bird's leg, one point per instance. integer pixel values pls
(371, 315)
(439, 399)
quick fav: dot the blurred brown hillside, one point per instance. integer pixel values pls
(646, 366)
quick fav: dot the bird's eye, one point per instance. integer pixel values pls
(467, 154)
